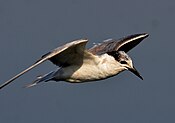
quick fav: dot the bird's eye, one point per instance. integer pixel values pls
(123, 62)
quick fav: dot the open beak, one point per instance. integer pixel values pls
(133, 70)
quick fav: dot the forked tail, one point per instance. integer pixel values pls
(42, 78)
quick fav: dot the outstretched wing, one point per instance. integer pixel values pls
(60, 56)
(70, 53)
(125, 44)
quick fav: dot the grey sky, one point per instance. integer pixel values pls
(28, 29)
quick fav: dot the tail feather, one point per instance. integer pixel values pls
(42, 78)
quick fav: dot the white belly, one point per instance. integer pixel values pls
(102, 67)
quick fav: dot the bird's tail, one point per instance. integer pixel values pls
(42, 78)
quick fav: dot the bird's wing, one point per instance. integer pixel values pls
(63, 55)
(68, 54)
(125, 44)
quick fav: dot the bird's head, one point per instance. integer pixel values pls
(126, 62)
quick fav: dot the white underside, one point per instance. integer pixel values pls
(96, 68)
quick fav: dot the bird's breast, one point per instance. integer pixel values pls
(103, 67)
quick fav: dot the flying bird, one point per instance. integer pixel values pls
(76, 64)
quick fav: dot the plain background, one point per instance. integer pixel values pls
(31, 28)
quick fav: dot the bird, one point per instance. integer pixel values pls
(76, 64)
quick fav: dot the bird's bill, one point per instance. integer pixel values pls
(133, 70)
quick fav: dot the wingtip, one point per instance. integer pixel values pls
(145, 35)
(140, 36)
(2, 86)
(5, 83)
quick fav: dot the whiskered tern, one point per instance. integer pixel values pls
(77, 64)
